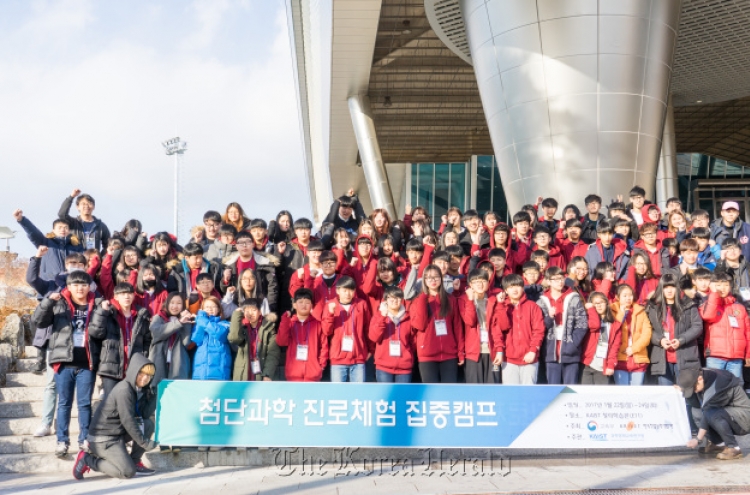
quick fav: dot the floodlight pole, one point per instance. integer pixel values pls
(177, 148)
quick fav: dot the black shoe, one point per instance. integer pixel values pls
(141, 470)
(80, 468)
(40, 367)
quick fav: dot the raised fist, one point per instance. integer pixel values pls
(18, 215)
(332, 307)
(300, 273)
(105, 305)
(281, 247)
(55, 296)
(408, 209)
(41, 251)
(75, 193)
(350, 192)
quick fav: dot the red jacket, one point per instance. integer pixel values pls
(606, 287)
(292, 332)
(643, 288)
(321, 292)
(557, 258)
(153, 303)
(524, 332)
(722, 340)
(430, 346)
(472, 337)
(655, 257)
(591, 341)
(383, 330)
(571, 250)
(352, 323)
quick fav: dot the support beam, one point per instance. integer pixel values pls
(369, 153)
(666, 173)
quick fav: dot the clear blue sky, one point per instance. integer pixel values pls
(89, 89)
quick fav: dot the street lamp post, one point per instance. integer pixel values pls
(177, 148)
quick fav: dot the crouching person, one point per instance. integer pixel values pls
(122, 417)
(724, 407)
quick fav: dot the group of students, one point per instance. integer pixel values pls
(629, 297)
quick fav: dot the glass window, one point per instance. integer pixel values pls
(458, 185)
(424, 194)
(485, 166)
(734, 170)
(719, 168)
(442, 191)
(414, 185)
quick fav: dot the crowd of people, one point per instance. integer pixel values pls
(557, 296)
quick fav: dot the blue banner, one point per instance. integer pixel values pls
(286, 414)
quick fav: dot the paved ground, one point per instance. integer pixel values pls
(671, 473)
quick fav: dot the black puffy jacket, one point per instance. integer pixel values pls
(105, 327)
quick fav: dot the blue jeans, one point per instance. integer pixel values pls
(734, 366)
(81, 382)
(385, 377)
(670, 377)
(628, 378)
(348, 373)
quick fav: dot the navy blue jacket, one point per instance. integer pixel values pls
(740, 231)
(53, 262)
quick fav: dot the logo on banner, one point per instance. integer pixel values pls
(592, 425)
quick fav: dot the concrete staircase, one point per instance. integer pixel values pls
(20, 415)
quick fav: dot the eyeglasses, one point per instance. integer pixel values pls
(245, 244)
(211, 225)
(557, 279)
(205, 282)
(329, 263)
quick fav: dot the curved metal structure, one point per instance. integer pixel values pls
(574, 92)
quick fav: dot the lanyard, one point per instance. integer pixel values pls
(307, 331)
(669, 318)
(397, 331)
(351, 321)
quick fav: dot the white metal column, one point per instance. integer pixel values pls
(369, 153)
(666, 173)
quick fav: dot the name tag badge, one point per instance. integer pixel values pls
(733, 321)
(301, 352)
(255, 365)
(169, 355)
(394, 348)
(90, 243)
(745, 293)
(441, 328)
(484, 336)
(78, 338)
(601, 350)
(347, 344)
(666, 335)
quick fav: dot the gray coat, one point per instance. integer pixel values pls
(687, 330)
(161, 331)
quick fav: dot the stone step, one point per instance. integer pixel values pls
(25, 380)
(27, 426)
(27, 365)
(21, 394)
(36, 463)
(30, 445)
(28, 409)
(31, 352)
